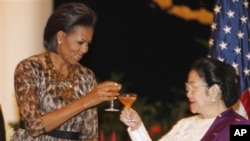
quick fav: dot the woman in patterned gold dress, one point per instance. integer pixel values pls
(56, 95)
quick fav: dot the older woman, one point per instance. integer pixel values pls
(212, 88)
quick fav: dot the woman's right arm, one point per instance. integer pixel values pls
(35, 122)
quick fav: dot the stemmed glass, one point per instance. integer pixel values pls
(127, 99)
(111, 107)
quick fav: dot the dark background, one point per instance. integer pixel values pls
(151, 49)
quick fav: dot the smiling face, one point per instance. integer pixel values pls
(71, 47)
(199, 94)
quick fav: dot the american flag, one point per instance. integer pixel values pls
(230, 43)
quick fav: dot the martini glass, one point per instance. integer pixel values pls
(127, 99)
(111, 107)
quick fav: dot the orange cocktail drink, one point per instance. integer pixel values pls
(127, 99)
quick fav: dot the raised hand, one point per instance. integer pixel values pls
(104, 91)
(130, 118)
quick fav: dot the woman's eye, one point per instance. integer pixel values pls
(81, 43)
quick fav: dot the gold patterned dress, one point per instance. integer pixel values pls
(37, 93)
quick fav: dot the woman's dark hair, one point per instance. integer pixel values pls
(65, 18)
(213, 72)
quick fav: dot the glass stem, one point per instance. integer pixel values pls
(112, 103)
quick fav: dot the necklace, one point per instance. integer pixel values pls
(64, 85)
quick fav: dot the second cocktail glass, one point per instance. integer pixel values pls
(127, 99)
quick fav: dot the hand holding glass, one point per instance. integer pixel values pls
(127, 100)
